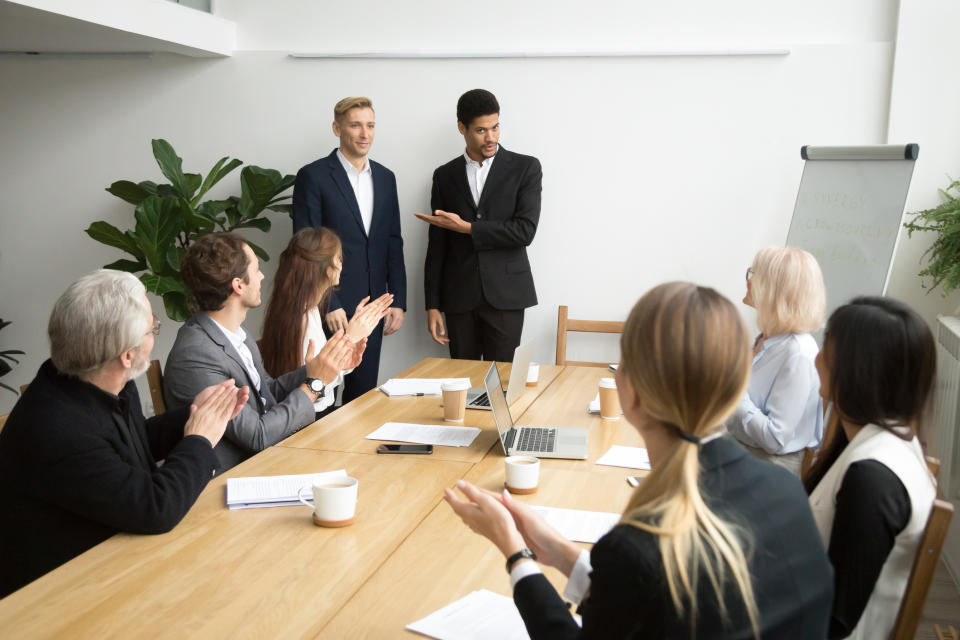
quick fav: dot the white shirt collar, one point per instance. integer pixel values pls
(348, 166)
(486, 161)
(236, 339)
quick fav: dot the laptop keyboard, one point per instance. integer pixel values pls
(537, 439)
(481, 400)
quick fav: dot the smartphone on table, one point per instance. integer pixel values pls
(405, 448)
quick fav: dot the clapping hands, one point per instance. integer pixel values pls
(367, 316)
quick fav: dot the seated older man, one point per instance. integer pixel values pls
(77, 458)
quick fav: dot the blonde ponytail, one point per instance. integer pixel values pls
(686, 353)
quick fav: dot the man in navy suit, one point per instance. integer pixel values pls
(356, 198)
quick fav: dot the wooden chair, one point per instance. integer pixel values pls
(3, 420)
(564, 324)
(155, 382)
(949, 634)
(921, 575)
(23, 388)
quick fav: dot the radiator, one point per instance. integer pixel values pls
(944, 422)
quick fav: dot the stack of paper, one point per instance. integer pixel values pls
(416, 386)
(479, 615)
(274, 491)
(426, 434)
(630, 457)
(577, 525)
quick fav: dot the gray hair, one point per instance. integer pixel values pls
(97, 318)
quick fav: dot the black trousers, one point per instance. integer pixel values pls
(485, 333)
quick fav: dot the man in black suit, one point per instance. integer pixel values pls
(486, 206)
(78, 461)
(357, 198)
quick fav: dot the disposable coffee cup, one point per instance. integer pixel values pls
(522, 474)
(533, 374)
(609, 400)
(334, 501)
(454, 400)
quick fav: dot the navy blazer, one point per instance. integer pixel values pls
(372, 264)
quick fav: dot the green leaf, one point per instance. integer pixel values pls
(260, 253)
(175, 257)
(216, 174)
(5, 323)
(149, 186)
(285, 183)
(259, 223)
(161, 284)
(132, 266)
(129, 191)
(282, 208)
(158, 223)
(193, 183)
(175, 304)
(10, 389)
(171, 165)
(257, 188)
(106, 233)
(194, 220)
(211, 208)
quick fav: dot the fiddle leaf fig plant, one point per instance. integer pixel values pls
(6, 367)
(943, 265)
(169, 216)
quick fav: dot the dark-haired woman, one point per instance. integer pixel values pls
(871, 491)
(307, 271)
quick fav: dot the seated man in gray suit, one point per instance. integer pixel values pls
(223, 276)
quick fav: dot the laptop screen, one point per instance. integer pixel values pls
(498, 404)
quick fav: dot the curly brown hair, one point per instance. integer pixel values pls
(209, 267)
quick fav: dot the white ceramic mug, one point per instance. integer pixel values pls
(522, 474)
(454, 400)
(334, 501)
(533, 374)
(609, 400)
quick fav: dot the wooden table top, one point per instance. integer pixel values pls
(271, 572)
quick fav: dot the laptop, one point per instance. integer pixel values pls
(477, 397)
(541, 442)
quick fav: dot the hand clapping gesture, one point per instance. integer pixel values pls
(335, 356)
(367, 316)
(213, 408)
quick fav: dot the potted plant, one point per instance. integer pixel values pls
(170, 216)
(944, 263)
(6, 367)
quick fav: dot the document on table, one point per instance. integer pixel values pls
(577, 525)
(479, 615)
(274, 491)
(426, 434)
(630, 457)
(416, 386)
(594, 406)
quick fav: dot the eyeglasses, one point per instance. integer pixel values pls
(155, 330)
(749, 273)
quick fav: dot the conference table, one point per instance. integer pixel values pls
(271, 572)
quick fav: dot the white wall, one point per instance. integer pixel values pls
(654, 168)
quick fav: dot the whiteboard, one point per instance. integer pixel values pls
(848, 215)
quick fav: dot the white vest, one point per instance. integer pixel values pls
(905, 459)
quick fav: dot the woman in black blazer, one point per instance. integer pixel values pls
(714, 543)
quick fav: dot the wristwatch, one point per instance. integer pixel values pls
(317, 386)
(520, 555)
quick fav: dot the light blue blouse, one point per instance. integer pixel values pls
(782, 411)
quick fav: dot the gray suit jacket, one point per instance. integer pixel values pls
(202, 356)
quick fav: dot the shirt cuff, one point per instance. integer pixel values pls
(521, 570)
(579, 581)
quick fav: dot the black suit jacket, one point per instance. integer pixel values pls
(491, 262)
(372, 264)
(792, 578)
(71, 477)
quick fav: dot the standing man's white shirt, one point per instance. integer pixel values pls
(477, 174)
(362, 183)
(238, 340)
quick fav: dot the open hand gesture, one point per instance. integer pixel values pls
(367, 316)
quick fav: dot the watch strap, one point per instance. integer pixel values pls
(520, 555)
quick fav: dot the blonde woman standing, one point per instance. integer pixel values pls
(714, 543)
(781, 414)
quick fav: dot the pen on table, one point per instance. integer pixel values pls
(418, 394)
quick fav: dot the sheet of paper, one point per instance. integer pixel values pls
(416, 386)
(273, 491)
(479, 615)
(577, 525)
(426, 434)
(594, 406)
(630, 457)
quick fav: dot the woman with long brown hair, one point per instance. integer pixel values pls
(870, 489)
(714, 543)
(307, 271)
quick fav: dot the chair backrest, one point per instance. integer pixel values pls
(3, 420)
(155, 381)
(565, 324)
(23, 388)
(921, 575)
